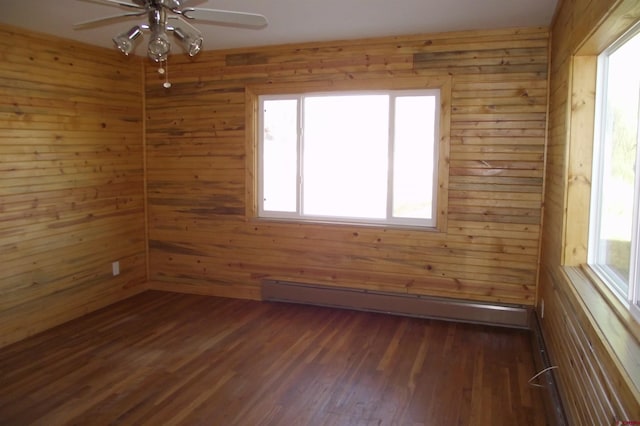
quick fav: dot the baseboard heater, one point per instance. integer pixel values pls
(550, 394)
(515, 316)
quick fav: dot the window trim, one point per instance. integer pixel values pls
(389, 219)
(628, 298)
(595, 303)
(253, 92)
(578, 173)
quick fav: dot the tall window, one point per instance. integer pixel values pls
(614, 248)
(366, 157)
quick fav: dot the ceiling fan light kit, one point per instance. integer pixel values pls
(159, 14)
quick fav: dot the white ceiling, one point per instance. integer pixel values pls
(293, 21)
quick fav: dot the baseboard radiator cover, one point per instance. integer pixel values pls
(513, 316)
(551, 395)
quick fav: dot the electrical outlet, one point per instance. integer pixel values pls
(115, 268)
(541, 308)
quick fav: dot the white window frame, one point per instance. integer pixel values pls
(299, 215)
(631, 297)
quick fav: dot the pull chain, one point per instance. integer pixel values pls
(165, 71)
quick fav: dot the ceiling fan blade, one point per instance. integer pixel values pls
(116, 3)
(225, 17)
(104, 19)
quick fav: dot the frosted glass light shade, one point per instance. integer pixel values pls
(159, 47)
(191, 41)
(125, 42)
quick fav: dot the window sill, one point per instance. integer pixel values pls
(613, 322)
(377, 226)
(618, 306)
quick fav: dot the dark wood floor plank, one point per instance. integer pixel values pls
(163, 358)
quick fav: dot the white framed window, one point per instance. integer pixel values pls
(366, 157)
(614, 237)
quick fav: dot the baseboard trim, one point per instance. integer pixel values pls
(207, 289)
(513, 316)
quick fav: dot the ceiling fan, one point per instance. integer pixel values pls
(169, 16)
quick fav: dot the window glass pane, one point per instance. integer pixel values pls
(618, 161)
(333, 156)
(413, 156)
(280, 155)
(345, 156)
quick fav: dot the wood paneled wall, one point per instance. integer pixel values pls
(595, 351)
(201, 239)
(71, 181)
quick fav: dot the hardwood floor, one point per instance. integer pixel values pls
(164, 358)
